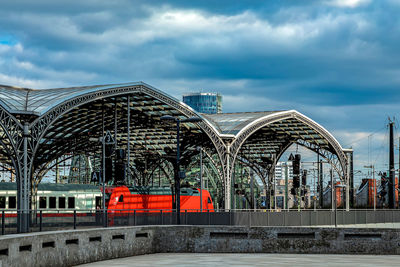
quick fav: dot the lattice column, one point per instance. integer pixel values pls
(228, 178)
(12, 131)
(24, 155)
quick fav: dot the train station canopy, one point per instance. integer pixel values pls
(62, 120)
(37, 127)
(270, 132)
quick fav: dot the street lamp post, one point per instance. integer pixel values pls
(177, 173)
(107, 139)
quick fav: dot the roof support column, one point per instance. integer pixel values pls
(228, 179)
(348, 175)
(347, 187)
(24, 186)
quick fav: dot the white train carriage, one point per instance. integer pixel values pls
(62, 197)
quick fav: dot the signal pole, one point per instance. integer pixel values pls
(320, 183)
(374, 182)
(392, 181)
(333, 190)
(286, 185)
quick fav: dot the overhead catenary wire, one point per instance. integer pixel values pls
(364, 137)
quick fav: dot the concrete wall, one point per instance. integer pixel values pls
(66, 248)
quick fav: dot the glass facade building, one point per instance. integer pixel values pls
(209, 103)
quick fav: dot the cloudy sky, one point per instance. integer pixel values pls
(337, 61)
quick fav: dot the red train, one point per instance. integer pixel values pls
(63, 199)
(154, 199)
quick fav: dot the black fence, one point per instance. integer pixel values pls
(60, 220)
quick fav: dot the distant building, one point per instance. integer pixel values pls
(209, 103)
(282, 169)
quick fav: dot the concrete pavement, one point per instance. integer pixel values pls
(256, 259)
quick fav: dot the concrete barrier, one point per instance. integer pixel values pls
(67, 248)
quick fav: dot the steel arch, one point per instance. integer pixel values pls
(39, 127)
(245, 133)
(234, 147)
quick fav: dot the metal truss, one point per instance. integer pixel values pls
(293, 135)
(257, 168)
(24, 141)
(10, 135)
(40, 126)
(13, 140)
(330, 157)
(246, 133)
(39, 173)
(215, 166)
(335, 149)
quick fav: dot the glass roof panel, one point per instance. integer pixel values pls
(232, 123)
(38, 101)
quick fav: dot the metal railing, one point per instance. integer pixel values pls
(45, 220)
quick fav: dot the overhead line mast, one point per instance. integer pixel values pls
(392, 181)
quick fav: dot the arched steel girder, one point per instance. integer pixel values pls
(11, 157)
(330, 143)
(331, 158)
(11, 127)
(328, 156)
(144, 168)
(30, 135)
(208, 158)
(26, 138)
(166, 167)
(214, 165)
(245, 133)
(8, 168)
(87, 128)
(155, 167)
(11, 132)
(259, 170)
(134, 173)
(41, 172)
(39, 127)
(62, 147)
(219, 182)
(265, 172)
(15, 133)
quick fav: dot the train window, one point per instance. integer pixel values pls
(12, 202)
(42, 202)
(71, 202)
(52, 202)
(61, 202)
(209, 201)
(2, 202)
(121, 198)
(98, 203)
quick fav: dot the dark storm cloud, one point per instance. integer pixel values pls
(336, 61)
